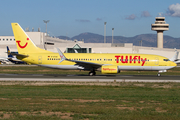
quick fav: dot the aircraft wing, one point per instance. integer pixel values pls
(84, 65)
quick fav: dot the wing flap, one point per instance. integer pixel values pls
(87, 65)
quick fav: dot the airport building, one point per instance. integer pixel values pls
(71, 46)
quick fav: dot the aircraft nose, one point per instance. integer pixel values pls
(174, 64)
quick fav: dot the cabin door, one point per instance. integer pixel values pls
(156, 61)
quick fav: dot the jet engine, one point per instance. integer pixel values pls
(110, 69)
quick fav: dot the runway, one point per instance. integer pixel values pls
(86, 78)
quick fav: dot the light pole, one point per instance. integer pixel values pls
(140, 43)
(105, 32)
(112, 34)
(45, 21)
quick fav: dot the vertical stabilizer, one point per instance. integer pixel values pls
(9, 53)
(24, 44)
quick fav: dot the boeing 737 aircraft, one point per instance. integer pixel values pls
(106, 63)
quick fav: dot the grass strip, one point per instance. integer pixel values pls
(125, 101)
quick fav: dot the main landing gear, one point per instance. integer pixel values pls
(92, 73)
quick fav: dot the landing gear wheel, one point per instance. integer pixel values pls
(92, 73)
(158, 74)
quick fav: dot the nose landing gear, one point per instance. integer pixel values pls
(158, 74)
(160, 71)
(92, 73)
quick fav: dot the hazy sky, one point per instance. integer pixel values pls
(73, 17)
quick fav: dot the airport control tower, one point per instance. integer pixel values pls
(160, 26)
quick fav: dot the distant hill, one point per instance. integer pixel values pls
(148, 40)
(64, 37)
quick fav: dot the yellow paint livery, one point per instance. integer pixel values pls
(106, 63)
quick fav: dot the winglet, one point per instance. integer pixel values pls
(75, 51)
(61, 55)
(175, 57)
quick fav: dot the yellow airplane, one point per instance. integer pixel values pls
(106, 63)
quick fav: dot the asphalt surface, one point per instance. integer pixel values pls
(86, 78)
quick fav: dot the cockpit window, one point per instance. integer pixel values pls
(166, 59)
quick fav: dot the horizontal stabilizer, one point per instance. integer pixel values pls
(20, 55)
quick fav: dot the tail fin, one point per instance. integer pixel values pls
(9, 53)
(23, 42)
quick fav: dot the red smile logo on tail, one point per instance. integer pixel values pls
(21, 45)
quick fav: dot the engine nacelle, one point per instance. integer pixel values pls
(109, 69)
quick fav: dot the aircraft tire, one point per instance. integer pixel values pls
(92, 73)
(158, 74)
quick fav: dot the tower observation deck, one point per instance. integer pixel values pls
(160, 26)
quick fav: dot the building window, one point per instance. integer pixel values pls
(79, 50)
(89, 50)
(6, 39)
(10, 39)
